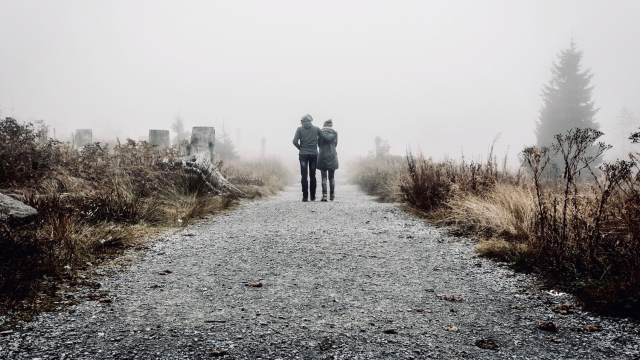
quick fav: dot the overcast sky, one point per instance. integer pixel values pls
(447, 76)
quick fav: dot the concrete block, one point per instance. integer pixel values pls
(159, 138)
(82, 137)
(203, 139)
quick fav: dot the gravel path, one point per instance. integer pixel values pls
(340, 280)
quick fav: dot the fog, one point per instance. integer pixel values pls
(446, 76)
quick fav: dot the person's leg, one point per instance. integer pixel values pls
(332, 183)
(313, 159)
(303, 177)
(323, 174)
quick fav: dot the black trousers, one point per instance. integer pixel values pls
(308, 164)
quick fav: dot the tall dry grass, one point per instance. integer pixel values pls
(257, 177)
(580, 230)
(94, 202)
(378, 176)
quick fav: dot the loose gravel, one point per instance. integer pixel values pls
(349, 279)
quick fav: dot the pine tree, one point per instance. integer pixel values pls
(225, 149)
(177, 126)
(567, 98)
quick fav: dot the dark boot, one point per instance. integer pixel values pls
(333, 196)
(324, 197)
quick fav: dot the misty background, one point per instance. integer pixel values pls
(446, 76)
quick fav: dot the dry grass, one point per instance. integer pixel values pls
(581, 234)
(257, 177)
(379, 177)
(506, 211)
(95, 202)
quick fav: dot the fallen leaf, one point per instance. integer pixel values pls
(548, 326)
(391, 331)
(564, 309)
(219, 352)
(556, 340)
(254, 284)
(517, 307)
(165, 272)
(486, 344)
(589, 328)
(450, 328)
(449, 298)
(429, 290)
(155, 286)
(104, 300)
(425, 311)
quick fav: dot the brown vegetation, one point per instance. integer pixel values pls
(94, 202)
(575, 225)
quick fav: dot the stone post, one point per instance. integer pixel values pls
(203, 140)
(159, 138)
(82, 137)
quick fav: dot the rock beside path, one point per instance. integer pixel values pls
(14, 211)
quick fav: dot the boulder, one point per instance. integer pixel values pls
(14, 211)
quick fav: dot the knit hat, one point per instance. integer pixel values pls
(328, 123)
(307, 118)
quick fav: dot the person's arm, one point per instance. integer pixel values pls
(336, 140)
(296, 139)
(327, 137)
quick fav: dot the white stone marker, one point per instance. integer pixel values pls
(159, 138)
(203, 140)
(82, 137)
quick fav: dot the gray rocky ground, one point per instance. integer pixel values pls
(340, 280)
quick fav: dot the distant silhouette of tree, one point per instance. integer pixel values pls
(566, 99)
(177, 126)
(382, 148)
(225, 148)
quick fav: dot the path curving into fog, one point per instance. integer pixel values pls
(341, 280)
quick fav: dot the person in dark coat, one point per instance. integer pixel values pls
(328, 159)
(306, 140)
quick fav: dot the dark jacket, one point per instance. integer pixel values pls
(308, 136)
(328, 156)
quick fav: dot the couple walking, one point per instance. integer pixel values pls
(308, 139)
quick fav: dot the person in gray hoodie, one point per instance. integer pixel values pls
(328, 159)
(306, 140)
